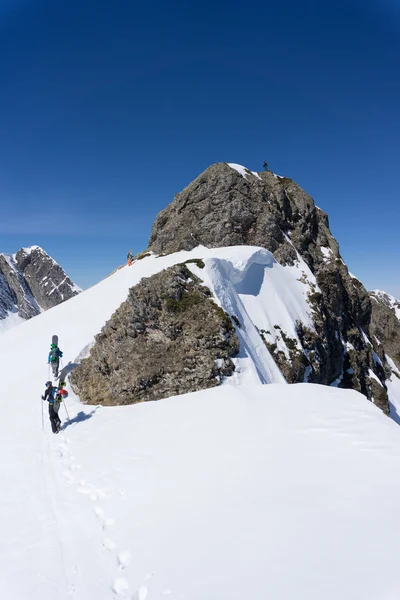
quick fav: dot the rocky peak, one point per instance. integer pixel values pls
(30, 282)
(385, 323)
(229, 205)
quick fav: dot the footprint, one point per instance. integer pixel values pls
(120, 586)
(109, 523)
(68, 477)
(74, 467)
(109, 544)
(124, 558)
(142, 593)
(99, 512)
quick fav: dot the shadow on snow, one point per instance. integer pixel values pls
(79, 418)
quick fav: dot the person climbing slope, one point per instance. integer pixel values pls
(130, 258)
(54, 358)
(54, 399)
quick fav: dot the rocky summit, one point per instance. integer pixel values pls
(149, 349)
(229, 205)
(30, 282)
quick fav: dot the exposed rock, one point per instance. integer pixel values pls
(223, 207)
(168, 338)
(30, 282)
(385, 323)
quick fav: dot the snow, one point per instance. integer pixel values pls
(366, 339)
(11, 320)
(327, 252)
(353, 276)
(372, 375)
(265, 297)
(240, 491)
(389, 300)
(243, 170)
(30, 249)
(393, 386)
(376, 358)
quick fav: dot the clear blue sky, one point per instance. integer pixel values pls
(107, 109)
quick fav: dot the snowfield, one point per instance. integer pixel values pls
(242, 491)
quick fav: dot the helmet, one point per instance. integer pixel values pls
(63, 393)
(48, 383)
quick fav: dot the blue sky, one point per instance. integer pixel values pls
(108, 109)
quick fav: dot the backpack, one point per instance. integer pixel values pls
(53, 354)
(52, 396)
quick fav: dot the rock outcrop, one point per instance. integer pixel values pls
(385, 324)
(226, 206)
(30, 282)
(168, 338)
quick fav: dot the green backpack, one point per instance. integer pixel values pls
(53, 353)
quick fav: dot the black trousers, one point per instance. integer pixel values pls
(54, 419)
(54, 367)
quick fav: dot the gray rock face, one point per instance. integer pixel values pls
(168, 338)
(224, 208)
(30, 282)
(385, 323)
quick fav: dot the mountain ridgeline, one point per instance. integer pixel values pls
(228, 205)
(31, 282)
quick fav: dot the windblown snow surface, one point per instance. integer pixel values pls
(242, 491)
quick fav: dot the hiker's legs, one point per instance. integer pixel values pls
(53, 418)
(54, 366)
(56, 408)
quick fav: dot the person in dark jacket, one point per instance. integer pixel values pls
(53, 397)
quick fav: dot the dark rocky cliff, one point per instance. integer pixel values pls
(31, 281)
(223, 207)
(385, 324)
(169, 337)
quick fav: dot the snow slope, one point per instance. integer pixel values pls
(245, 491)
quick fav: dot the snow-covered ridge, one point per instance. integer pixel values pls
(30, 249)
(243, 170)
(231, 484)
(247, 282)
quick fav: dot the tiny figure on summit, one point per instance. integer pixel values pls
(265, 165)
(130, 258)
(54, 398)
(54, 358)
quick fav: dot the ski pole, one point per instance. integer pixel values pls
(66, 411)
(41, 402)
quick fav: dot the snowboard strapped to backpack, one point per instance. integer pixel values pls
(53, 353)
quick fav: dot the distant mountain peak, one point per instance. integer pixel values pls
(31, 282)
